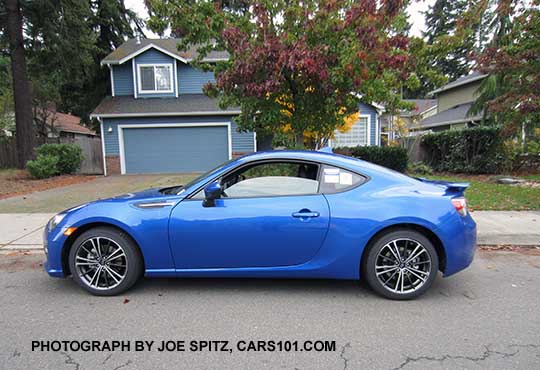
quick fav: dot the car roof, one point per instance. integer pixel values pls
(308, 155)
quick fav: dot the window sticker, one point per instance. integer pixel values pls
(345, 178)
(331, 175)
(331, 179)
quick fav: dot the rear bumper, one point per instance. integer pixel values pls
(460, 244)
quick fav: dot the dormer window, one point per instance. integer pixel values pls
(155, 78)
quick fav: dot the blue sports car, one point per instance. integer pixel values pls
(281, 214)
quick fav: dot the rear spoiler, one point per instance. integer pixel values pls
(451, 187)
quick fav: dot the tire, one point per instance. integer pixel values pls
(118, 260)
(409, 278)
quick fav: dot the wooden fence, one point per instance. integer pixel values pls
(8, 153)
(414, 150)
(92, 163)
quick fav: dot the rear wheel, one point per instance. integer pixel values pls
(401, 264)
(105, 261)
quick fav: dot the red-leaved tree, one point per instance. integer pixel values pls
(296, 66)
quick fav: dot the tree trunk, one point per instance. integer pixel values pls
(21, 86)
(264, 142)
(300, 139)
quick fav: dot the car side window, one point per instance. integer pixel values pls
(272, 179)
(335, 180)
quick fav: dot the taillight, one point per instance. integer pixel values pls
(460, 204)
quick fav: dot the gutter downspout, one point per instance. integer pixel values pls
(102, 145)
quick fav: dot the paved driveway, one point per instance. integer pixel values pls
(483, 318)
(58, 199)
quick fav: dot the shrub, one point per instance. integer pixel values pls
(388, 156)
(69, 156)
(43, 166)
(471, 150)
(419, 168)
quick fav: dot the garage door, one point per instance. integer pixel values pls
(174, 149)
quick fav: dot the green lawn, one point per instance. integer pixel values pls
(485, 194)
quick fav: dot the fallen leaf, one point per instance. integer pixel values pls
(126, 300)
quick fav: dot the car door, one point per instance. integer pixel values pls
(270, 214)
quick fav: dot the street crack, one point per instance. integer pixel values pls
(342, 355)
(484, 356)
(107, 359)
(123, 365)
(71, 361)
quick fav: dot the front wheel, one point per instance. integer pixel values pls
(105, 261)
(401, 264)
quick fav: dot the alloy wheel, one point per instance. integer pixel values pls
(403, 265)
(101, 263)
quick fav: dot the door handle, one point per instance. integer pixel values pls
(305, 214)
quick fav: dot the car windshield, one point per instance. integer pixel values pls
(178, 188)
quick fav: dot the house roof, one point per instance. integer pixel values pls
(457, 114)
(134, 47)
(64, 122)
(186, 105)
(420, 106)
(474, 76)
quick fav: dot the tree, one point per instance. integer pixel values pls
(294, 63)
(443, 23)
(513, 59)
(21, 87)
(113, 24)
(67, 39)
(7, 121)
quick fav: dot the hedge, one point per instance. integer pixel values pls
(43, 166)
(471, 150)
(69, 156)
(388, 156)
(55, 159)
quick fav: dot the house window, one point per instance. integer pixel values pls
(155, 78)
(357, 135)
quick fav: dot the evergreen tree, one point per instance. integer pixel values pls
(443, 22)
(13, 27)
(112, 24)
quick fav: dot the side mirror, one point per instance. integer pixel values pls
(212, 192)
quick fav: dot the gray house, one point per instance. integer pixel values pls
(158, 120)
(453, 103)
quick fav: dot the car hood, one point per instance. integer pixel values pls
(148, 194)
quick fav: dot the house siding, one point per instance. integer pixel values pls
(242, 142)
(459, 95)
(123, 79)
(191, 80)
(152, 56)
(366, 109)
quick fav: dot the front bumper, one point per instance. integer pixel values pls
(53, 243)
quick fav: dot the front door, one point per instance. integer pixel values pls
(270, 214)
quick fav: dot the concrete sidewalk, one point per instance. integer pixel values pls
(23, 231)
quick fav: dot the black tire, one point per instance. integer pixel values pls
(114, 238)
(406, 240)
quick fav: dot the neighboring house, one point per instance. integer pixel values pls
(454, 101)
(158, 120)
(365, 132)
(62, 125)
(410, 119)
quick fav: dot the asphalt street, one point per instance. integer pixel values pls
(487, 317)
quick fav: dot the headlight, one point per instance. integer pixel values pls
(55, 221)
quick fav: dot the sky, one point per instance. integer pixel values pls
(414, 10)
